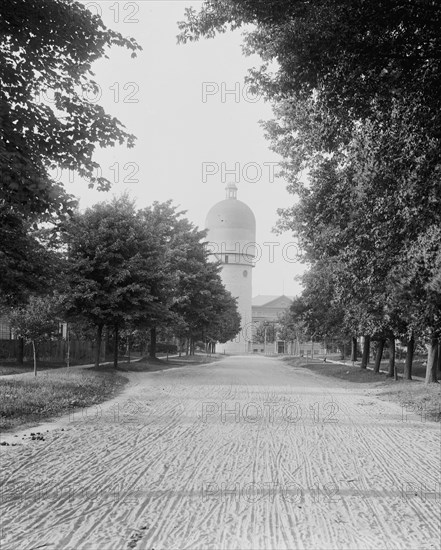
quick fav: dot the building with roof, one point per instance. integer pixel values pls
(269, 307)
(231, 240)
(266, 309)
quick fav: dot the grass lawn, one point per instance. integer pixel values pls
(160, 363)
(413, 395)
(343, 372)
(418, 366)
(32, 400)
(12, 367)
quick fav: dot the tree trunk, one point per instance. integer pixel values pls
(35, 357)
(391, 371)
(432, 359)
(68, 345)
(379, 355)
(108, 344)
(343, 351)
(407, 375)
(20, 351)
(105, 344)
(152, 352)
(99, 334)
(366, 352)
(115, 346)
(439, 359)
(146, 349)
(354, 349)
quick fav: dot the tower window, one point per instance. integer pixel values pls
(226, 259)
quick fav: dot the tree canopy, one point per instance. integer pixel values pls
(47, 121)
(355, 90)
(36, 322)
(143, 270)
(49, 48)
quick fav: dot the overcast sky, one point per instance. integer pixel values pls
(195, 120)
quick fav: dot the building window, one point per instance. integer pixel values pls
(245, 273)
(226, 258)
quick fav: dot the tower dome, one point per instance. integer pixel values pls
(232, 226)
(231, 240)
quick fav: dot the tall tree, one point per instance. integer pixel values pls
(190, 297)
(48, 120)
(180, 243)
(27, 263)
(49, 48)
(357, 105)
(225, 322)
(113, 264)
(341, 53)
(208, 309)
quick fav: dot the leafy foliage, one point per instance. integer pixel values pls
(37, 321)
(113, 263)
(145, 269)
(47, 121)
(27, 262)
(48, 48)
(357, 110)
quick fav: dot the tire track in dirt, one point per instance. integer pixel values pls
(161, 453)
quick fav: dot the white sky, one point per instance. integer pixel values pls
(159, 98)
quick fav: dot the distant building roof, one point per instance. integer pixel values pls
(266, 299)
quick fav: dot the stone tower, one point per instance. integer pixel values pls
(231, 239)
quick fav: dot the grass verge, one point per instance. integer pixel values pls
(342, 372)
(12, 367)
(151, 365)
(32, 400)
(414, 396)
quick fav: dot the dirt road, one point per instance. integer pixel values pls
(246, 453)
